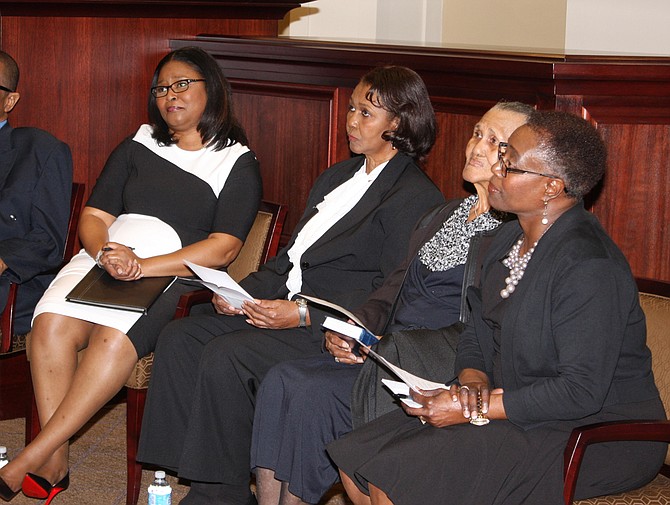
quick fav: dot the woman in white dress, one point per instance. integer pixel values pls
(184, 187)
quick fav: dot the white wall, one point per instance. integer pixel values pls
(414, 21)
(572, 26)
(618, 26)
(333, 20)
(401, 21)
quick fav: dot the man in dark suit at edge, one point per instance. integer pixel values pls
(35, 187)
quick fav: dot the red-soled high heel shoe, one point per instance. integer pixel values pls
(5, 491)
(35, 486)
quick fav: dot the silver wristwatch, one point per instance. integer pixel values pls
(302, 311)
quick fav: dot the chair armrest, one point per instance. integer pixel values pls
(7, 319)
(188, 300)
(613, 431)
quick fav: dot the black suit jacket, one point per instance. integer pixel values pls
(35, 187)
(352, 258)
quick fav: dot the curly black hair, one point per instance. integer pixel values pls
(571, 148)
(401, 92)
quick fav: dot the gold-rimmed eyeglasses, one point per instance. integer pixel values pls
(507, 168)
(177, 87)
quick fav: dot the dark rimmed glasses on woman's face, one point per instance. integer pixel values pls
(6, 89)
(177, 87)
(507, 168)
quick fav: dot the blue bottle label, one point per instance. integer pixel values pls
(161, 497)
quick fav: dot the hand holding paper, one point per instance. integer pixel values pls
(220, 283)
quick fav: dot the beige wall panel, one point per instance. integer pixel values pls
(511, 24)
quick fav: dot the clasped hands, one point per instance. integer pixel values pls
(456, 405)
(120, 262)
(270, 314)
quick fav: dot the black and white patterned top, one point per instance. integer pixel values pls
(449, 246)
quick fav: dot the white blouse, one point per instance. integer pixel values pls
(334, 206)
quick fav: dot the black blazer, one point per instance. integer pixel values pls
(35, 187)
(352, 258)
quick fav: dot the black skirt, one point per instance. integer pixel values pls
(495, 464)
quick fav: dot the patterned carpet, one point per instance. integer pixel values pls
(98, 463)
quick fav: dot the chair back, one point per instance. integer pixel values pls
(655, 301)
(262, 241)
(76, 201)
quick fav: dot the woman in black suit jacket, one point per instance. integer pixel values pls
(556, 340)
(354, 232)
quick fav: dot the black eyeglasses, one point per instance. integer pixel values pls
(176, 87)
(506, 168)
(6, 89)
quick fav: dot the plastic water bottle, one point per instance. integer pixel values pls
(160, 492)
(3, 456)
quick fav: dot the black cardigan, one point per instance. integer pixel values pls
(573, 338)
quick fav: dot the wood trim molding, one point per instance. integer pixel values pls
(283, 89)
(194, 9)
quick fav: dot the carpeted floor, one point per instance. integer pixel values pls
(98, 463)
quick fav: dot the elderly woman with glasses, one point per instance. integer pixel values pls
(185, 187)
(556, 340)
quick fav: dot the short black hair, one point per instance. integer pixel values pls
(401, 92)
(571, 148)
(218, 127)
(10, 71)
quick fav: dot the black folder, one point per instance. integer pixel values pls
(101, 289)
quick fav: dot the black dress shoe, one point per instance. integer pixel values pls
(5, 492)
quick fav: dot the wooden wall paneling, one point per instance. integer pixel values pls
(627, 98)
(86, 79)
(629, 103)
(339, 143)
(465, 74)
(633, 202)
(175, 9)
(289, 130)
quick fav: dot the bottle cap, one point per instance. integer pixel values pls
(3, 449)
(160, 474)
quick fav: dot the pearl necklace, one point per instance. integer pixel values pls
(517, 267)
(517, 264)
